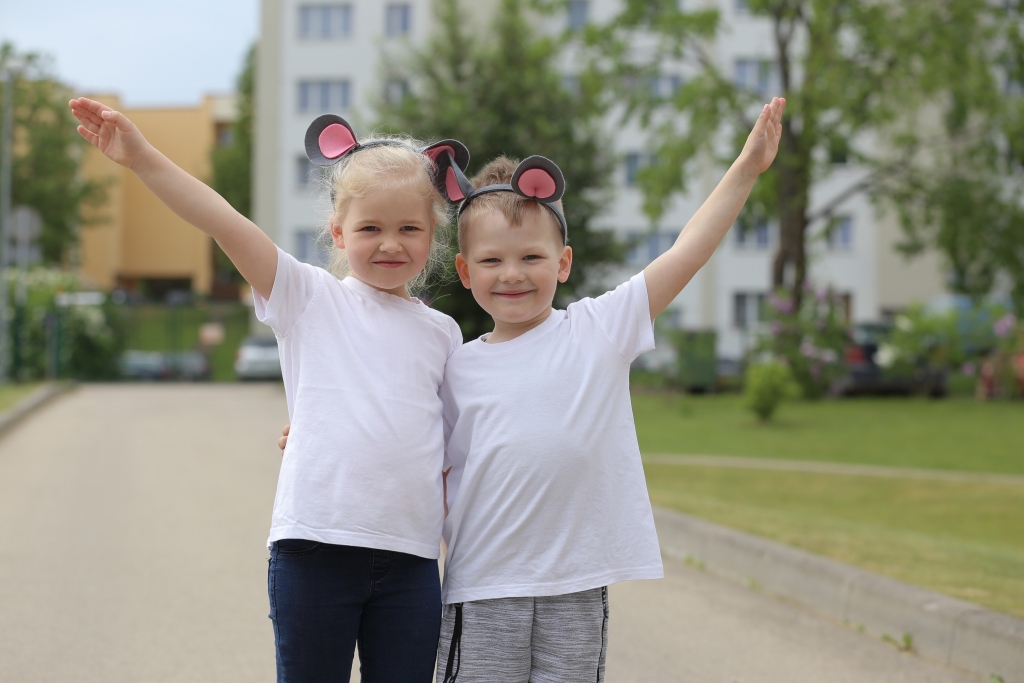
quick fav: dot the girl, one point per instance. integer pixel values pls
(359, 508)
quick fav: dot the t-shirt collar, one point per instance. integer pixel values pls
(526, 338)
(357, 285)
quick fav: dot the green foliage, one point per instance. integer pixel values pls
(232, 164)
(767, 386)
(79, 342)
(811, 335)
(47, 156)
(851, 70)
(500, 91)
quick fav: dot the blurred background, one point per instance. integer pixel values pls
(866, 309)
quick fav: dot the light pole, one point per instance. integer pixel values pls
(11, 69)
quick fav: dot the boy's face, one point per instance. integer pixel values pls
(514, 270)
(386, 237)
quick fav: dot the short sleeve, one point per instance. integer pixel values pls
(624, 315)
(295, 285)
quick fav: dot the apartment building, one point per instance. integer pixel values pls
(141, 245)
(321, 55)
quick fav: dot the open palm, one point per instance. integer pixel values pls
(109, 131)
(763, 142)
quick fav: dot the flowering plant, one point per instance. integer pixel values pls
(811, 339)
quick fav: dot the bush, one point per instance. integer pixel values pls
(811, 338)
(767, 386)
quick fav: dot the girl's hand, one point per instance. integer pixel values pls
(763, 142)
(283, 441)
(109, 131)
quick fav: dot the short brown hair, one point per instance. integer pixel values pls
(511, 205)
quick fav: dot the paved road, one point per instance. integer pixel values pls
(132, 530)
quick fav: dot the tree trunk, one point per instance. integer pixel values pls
(790, 266)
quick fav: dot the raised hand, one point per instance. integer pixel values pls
(763, 142)
(109, 131)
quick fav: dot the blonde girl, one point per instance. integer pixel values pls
(359, 507)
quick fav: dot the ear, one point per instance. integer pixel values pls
(564, 264)
(328, 139)
(451, 158)
(337, 235)
(539, 178)
(462, 268)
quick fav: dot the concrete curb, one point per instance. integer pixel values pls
(37, 399)
(941, 628)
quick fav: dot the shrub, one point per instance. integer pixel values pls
(767, 386)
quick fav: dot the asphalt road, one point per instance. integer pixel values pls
(133, 522)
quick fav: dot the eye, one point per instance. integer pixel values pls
(369, 228)
(532, 257)
(410, 228)
(493, 259)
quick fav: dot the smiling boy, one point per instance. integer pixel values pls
(548, 502)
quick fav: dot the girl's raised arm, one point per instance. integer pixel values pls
(670, 272)
(248, 247)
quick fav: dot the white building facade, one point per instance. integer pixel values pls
(321, 55)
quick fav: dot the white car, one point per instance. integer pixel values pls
(258, 358)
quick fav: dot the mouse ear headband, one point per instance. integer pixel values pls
(330, 138)
(537, 178)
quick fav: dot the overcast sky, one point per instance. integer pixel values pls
(150, 52)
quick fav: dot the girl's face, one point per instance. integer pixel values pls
(386, 236)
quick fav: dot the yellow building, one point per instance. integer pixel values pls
(141, 244)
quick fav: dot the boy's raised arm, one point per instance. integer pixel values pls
(669, 273)
(248, 247)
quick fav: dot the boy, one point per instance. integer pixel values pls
(548, 502)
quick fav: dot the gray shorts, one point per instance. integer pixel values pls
(555, 639)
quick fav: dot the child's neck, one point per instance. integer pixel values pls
(507, 331)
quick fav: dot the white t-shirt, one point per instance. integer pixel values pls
(362, 370)
(547, 492)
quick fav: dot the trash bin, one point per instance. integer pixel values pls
(695, 359)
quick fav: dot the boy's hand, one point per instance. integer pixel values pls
(763, 142)
(109, 131)
(283, 441)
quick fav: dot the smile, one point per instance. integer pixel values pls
(389, 264)
(513, 295)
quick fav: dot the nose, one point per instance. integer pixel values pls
(511, 273)
(390, 244)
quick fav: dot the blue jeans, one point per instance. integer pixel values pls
(325, 598)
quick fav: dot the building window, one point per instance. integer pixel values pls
(305, 173)
(225, 133)
(740, 6)
(840, 237)
(324, 96)
(325, 22)
(634, 162)
(747, 309)
(757, 236)
(755, 74)
(647, 246)
(398, 20)
(307, 248)
(579, 14)
(395, 91)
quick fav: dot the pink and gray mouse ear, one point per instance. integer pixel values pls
(539, 178)
(328, 139)
(451, 159)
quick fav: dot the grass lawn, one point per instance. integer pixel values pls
(10, 394)
(953, 434)
(965, 539)
(161, 328)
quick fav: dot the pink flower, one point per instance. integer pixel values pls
(968, 369)
(1004, 326)
(808, 350)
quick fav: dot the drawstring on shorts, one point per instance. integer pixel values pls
(456, 645)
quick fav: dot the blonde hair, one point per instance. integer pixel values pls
(395, 167)
(499, 172)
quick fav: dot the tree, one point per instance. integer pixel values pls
(859, 78)
(47, 155)
(232, 163)
(499, 91)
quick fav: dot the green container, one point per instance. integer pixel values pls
(695, 359)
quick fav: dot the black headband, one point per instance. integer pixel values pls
(536, 178)
(330, 138)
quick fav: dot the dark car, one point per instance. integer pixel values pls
(867, 377)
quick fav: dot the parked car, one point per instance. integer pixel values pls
(866, 376)
(165, 365)
(258, 358)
